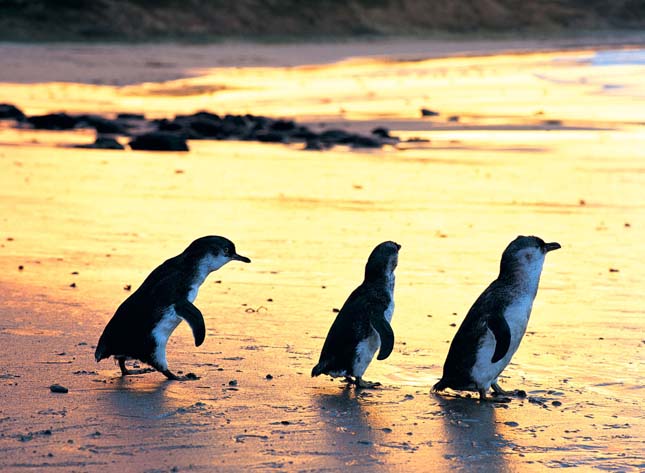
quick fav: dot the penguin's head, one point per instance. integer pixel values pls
(213, 252)
(382, 260)
(525, 255)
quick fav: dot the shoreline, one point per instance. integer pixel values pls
(122, 64)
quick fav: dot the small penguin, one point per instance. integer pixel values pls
(363, 323)
(494, 326)
(142, 324)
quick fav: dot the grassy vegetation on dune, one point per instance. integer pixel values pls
(44, 20)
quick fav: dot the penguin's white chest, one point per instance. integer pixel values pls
(484, 372)
(192, 293)
(367, 348)
(161, 333)
(389, 312)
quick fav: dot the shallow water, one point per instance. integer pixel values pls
(308, 220)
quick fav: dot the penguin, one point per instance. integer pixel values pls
(142, 324)
(494, 326)
(362, 325)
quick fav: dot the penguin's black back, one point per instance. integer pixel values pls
(129, 332)
(463, 349)
(352, 325)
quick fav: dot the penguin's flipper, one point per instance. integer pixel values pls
(195, 319)
(384, 330)
(497, 324)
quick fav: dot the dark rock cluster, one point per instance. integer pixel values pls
(172, 134)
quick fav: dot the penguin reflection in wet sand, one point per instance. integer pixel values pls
(142, 324)
(494, 326)
(363, 324)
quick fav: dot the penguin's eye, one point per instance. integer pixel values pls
(226, 251)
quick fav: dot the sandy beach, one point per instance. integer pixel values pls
(549, 141)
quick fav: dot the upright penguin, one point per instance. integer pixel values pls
(142, 324)
(494, 326)
(363, 323)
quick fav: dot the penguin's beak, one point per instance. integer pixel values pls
(551, 246)
(241, 258)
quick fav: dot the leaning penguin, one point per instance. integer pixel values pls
(363, 323)
(142, 324)
(494, 326)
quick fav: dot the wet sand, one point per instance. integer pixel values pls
(308, 220)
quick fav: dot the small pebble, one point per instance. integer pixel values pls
(520, 393)
(285, 422)
(428, 113)
(232, 382)
(127, 287)
(192, 376)
(335, 310)
(511, 423)
(269, 376)
(556, 403)
(72, 285)
(57, 388)
(21, 267)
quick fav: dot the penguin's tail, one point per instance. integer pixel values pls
(101, 351)
(440, 386)
(318, 369)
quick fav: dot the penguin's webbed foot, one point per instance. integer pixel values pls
(173, 377)
(170, 375)
(363, 384)
(498, 391)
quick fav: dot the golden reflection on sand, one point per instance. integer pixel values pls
(103, 219)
